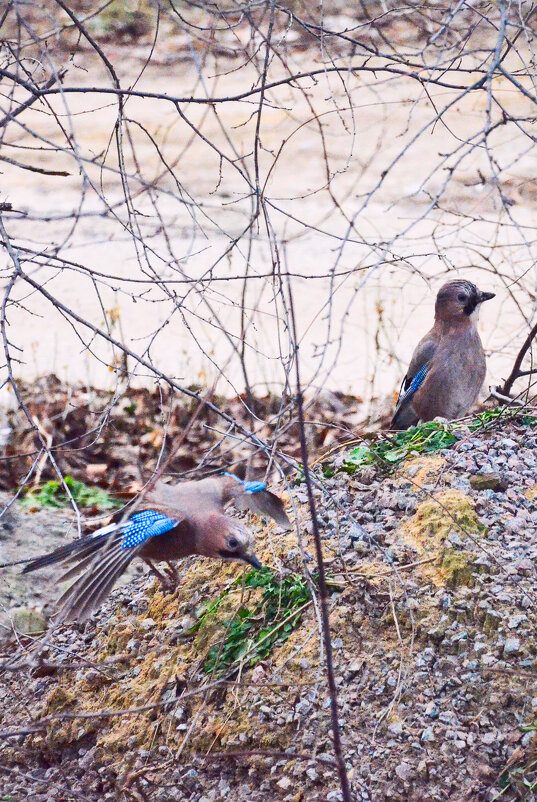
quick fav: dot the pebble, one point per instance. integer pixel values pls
(396, 728)
(404, 771)
(511, 646)
(432, 710)
(516, 620)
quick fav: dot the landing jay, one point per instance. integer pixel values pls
(448, 367)
(173, 521)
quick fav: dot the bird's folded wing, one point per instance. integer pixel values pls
(404, 415)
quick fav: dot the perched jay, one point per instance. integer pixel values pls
(175, 521)
(447, 368)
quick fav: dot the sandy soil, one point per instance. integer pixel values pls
(357, 330)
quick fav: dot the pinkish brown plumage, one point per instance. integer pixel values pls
(448, 367)
(171, 522)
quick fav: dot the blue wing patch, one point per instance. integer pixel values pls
(143, 525)
(254, 487)
(249, 487)
(418, 379)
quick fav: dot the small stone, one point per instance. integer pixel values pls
(191, 774)
(396, 728)
(147, 624)
(258, 675)
(404, 772)
(431, 710)
(516, 620)
(284, 783)
(428, 734)
(511, 646)
(487, 481)
(524, 567)
(358, 533)
(337, 643)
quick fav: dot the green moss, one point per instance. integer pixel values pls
(59, 699)
(428, 530)
(457, 567)
(448, 510)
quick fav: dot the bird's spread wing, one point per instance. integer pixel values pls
(254, 496)
(263, 502)
(404, 415)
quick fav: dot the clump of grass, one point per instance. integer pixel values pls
(501, 414)
(521, 778)
(52, 495)
(253, 631)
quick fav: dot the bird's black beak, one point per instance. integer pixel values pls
(486, 296)
(252, 560)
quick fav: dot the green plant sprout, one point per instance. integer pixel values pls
(424, 439)
(253, 631)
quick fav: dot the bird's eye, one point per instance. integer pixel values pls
(233, 542)
(461, 297)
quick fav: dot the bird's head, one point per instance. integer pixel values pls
(221, 536)
(459, 300)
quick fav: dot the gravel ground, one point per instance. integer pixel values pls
(433, 629)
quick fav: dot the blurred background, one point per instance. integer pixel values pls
(188, 170)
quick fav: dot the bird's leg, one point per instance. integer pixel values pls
(164, 579)
(171, 572)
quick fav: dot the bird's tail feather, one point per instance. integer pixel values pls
(404, 417)
(98, 560)
(78, 567)
(74, 551)
(95, 583)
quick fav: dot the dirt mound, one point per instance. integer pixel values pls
(433, 621)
